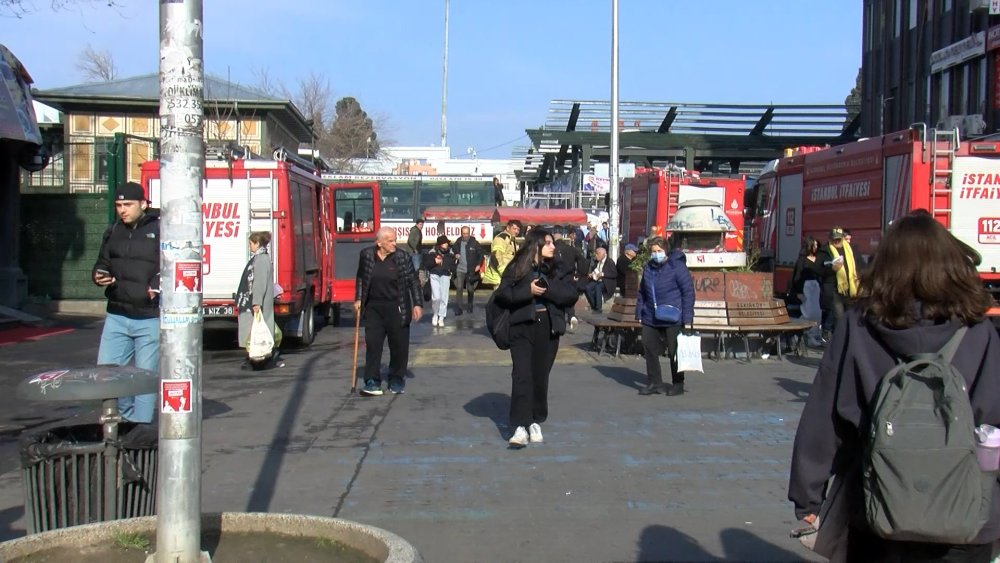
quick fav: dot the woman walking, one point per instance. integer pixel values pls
(921, 288)
(537, 299)
(665, 304)
(440, 264)
(807, 275)
(256, 294)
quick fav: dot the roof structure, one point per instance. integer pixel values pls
(700, 136)
(143, 92)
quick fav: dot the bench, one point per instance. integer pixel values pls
(610, 335)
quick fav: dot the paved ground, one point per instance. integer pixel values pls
(620, 477)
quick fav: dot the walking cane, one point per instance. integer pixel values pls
(354, 365)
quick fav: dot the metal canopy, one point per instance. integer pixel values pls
(577, 133)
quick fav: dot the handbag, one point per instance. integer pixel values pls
(261, 340)
(665, 313)
(689, 352)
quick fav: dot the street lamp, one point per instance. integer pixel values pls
(471, 151)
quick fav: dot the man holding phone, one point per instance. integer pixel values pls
(128, 268)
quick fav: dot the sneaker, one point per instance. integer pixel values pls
(535, 433)
(572, 323)
(519, 439)
(396, 388)
(372, 389)
(458, 312)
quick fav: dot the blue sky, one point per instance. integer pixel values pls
(507, 58)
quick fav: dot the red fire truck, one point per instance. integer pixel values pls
(317, 230)
(707, 213)
(865, 185)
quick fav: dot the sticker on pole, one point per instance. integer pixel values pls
(175, 396)
(187, 277)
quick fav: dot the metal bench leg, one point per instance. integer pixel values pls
(746, 345)
(780, 336)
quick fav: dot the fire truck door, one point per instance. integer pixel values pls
(789, 219)
(355, 212)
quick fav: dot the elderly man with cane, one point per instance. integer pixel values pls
(388, 294)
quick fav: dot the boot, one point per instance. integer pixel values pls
(675, 389)
(651, 389)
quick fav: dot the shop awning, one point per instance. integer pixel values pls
(544, 217)
(459, 213)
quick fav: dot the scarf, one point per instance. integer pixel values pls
(244, 294)
(847, 277)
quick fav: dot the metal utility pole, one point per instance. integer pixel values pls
(614, 221)
(444, 83)
(182, 166)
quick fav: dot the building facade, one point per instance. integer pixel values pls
(95, 115)
(930, 61)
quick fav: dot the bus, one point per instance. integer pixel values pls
(404, 198)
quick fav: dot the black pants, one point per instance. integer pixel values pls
(383, 319)
(595, 294)
(462, 284)
(862, 545)
(533, 350)
(655, 341)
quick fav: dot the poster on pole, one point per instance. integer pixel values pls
(187, 277)
(175, 396)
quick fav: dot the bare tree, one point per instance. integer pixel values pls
(96, 66)
(21, 8)
(269, 84)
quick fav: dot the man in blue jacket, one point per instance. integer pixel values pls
(128, 268)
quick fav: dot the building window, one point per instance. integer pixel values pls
(946, 6)
(897, 18)
(982, 86)
(914, 4)
(102, 159)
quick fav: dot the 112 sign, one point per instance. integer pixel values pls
(989, 230)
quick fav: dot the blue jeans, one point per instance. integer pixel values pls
(123, 340)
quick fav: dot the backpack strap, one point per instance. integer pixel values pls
(951, 347)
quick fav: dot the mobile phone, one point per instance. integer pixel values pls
(803, 531)
(541, 282)
(103, 272)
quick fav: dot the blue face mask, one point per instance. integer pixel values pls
(659, 257)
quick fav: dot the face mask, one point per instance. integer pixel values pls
(659, 257)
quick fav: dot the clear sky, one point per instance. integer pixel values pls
(507, 58)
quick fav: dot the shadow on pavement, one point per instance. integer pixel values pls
(495, 406)
(211, 409)
(7, 517)
(798, 388)
(662, 543)
(623, 375)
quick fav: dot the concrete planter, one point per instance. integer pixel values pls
(372, 541)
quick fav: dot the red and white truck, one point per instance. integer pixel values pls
(709, 227)
(318, 231)
(865, 185)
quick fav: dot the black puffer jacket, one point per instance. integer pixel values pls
(132, 256)
(409, 288)
(515, 295)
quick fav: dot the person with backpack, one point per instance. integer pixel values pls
(536, 296)
(910, 372)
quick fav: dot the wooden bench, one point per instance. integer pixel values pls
(610, 335)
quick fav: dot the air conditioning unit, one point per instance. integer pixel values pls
(973, 125)
(951, 123)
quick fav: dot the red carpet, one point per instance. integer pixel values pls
(17, 334)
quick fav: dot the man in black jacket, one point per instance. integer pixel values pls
(571, 266)
(600, 280)
(388, 293)
(128, 268)
(469, 260)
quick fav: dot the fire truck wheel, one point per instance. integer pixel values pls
(306, 322)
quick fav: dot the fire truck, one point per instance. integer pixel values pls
(705, 214)
(865, 185)
(318, 231)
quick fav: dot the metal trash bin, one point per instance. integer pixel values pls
(72, 477)
(88, 473)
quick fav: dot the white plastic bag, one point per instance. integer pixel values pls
(689, 352)
(261, 340)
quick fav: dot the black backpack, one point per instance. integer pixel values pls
(498, 323)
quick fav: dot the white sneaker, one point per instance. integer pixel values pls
(535, 433)
(520, 438)
(434, 320)
(572, 323)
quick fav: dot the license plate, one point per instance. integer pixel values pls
(218, 311)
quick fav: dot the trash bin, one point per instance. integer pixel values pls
(72, 477)
(88, 473)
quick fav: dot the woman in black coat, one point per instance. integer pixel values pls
(807, 281)
(537, 298)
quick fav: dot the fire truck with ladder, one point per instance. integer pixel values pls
(317, 229)
(704, 214)
(865, 185)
